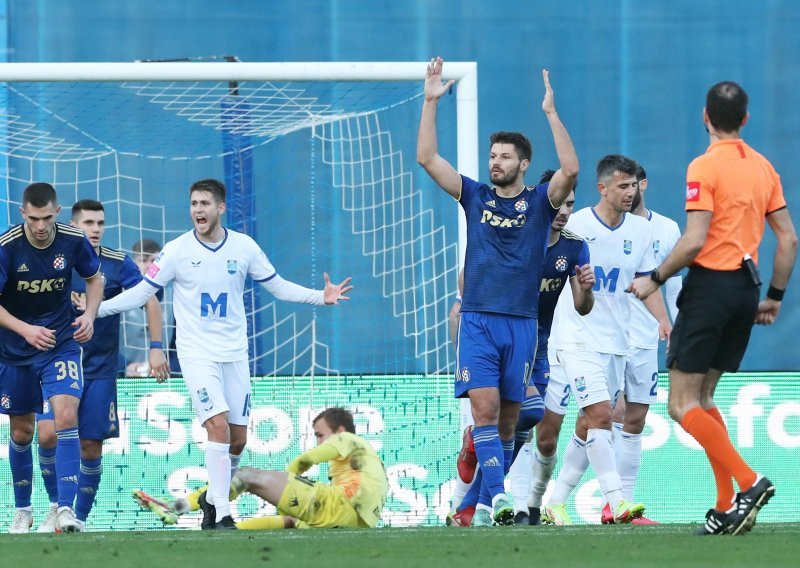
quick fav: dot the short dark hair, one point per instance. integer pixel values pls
(86, 205)
(640, 172)
(726, 105)
(520, 142)
(146, 246)
(615, 163)
(213, 186)
(335, 417)
(547, 175)
(39, 194)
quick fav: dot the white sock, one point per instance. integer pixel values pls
(600, 451)
(628, 450)
(218, 464)
(235, 459)
(520, 479)
(459, 492)
(541, 471)
(576, 462)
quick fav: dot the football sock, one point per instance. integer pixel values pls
(520, 439)
(530, 413)
(714, 438)
(68, 465)
(460, 492)
(88, 483)
(600, 451)
(508, 455)
(541, 471)
(490, 451)
(20, 458)
(628, 453)
(47, 464)
(575, 464)
(218, 464)
(235, 459)
(520, 478)
(473, 493)
(271, 522)
(721, 475)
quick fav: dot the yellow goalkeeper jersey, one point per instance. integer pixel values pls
(359, 472)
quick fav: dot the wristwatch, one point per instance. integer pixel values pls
(656, 277)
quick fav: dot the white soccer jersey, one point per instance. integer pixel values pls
(208, 298)
(617, 255)
(644, 327)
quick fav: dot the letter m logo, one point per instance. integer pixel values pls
(606, 283)
(214, 309)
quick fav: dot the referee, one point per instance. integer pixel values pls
(730, 190)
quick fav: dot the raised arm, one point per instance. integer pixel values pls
(135, 297)
(564, 179)
(428, 156)
(785, 255)
(291, 292)
(323, 453)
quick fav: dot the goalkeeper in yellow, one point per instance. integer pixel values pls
(354, 498)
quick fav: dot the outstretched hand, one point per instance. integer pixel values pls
(549, 102)
(335, 292)
(585, 275)
(434, 88)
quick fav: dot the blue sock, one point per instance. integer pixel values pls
(520, 437)
(68, 460)
(471, 497)
(20, 458)
(47, 463)
(490, 457)
(508, 455)
(530, 413)
(88, 482)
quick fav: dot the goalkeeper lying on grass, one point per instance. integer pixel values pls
(354, 498)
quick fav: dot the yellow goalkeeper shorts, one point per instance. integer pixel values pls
(317, 505)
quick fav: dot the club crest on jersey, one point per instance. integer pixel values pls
(5, 401)
(59, 262)
(561, 263)
(580, 384)
(627, 246)
(656, 247)
(521, 206)
(202, 395)
(232, 267)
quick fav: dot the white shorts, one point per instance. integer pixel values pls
(641, 376)
(218, 387)
(593, 377)
(556, 397)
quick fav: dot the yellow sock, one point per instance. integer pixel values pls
(262, 523)
(192, 498)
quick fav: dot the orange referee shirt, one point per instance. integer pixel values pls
(740, 187)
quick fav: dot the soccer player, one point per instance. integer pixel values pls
(641, 366)
(730, 190)
(354, 498)
(567, 258)
(208, 267)
(97, 413)
(507, 230)
(40, 353)
(591, 349)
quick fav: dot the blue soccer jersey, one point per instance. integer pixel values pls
(569, 251)
(506, 243)
(100, 354)
(36, 286)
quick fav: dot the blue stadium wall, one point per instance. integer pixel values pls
(630, 77)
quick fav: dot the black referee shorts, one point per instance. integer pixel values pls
(717, 312)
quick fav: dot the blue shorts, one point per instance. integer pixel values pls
(97, 414)
(495, 351)
(24, 388)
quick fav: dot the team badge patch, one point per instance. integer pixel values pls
(656, 247)
(5, 401)
(232, 267)
(465, 375)
(202, 394)
(521, 206)
(59, 263)
(561, 263)
(693, 191)
(580, 384)
(153, 270)
(627, 246)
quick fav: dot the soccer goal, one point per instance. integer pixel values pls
(319, 160)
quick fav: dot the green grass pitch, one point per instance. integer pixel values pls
(769, 545)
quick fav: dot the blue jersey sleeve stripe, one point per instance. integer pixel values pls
(268, 278)
(153, 284)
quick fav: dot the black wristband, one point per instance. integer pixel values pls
(775, 294)
(656, 277)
